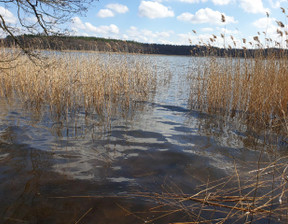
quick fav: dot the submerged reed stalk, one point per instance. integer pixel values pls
(260, 197)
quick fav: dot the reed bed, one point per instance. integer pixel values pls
(251, 87)
(252, 90)
(255, 88)
(71, 82)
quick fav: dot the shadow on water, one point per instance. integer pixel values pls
(47, 178)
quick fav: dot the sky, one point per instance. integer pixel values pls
(179, 22)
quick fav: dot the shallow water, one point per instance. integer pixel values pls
(65, 172)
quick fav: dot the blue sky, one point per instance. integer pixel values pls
(172, 21)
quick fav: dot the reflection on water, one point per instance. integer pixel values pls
(64, 172)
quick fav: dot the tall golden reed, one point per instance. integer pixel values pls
(254, 88)
(70, 82)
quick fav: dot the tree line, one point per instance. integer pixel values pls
(81, 43)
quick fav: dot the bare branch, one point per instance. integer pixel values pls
(47, 14)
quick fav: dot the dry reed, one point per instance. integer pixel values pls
(253, 88)
(104, 84)
(256, 197)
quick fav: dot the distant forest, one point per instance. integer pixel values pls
(78, 43)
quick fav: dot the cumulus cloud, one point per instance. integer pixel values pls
(207, 29)
(111, 9)
(205, 38)
(264, 23)
(102, 29)
(118, 8)
(227, 31)
(276, 4)
(104, 13)
(206, 15)
(148, 36)
(193, 1)
(154, 10)
(77, 23)
(88, 29)
(255, 6)
(216, 2)
(267, 25)
(190, 38)
(7, 15)
(270, 27)
(221, 2)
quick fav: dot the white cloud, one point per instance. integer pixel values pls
(90, 28)
(206, 15)
(205, 39)
(87, 29)
(255, 6)
(207, 29)
(154, 10)
(104, 13)
(216, 2)
(30, 19)
(276, 4)
(270, 27)
(148, 36)
(77, 23)
(186, 39)
(267, 25)
(7, 15)
(113, 29)
(221, 2)
(264, 23)
(102, 29)
(111, 9)
(118, 8)
(193, 1)
(190, 38)
(227, 31)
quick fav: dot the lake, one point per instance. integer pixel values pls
(81, 172)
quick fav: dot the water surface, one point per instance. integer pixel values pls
(65, 172)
